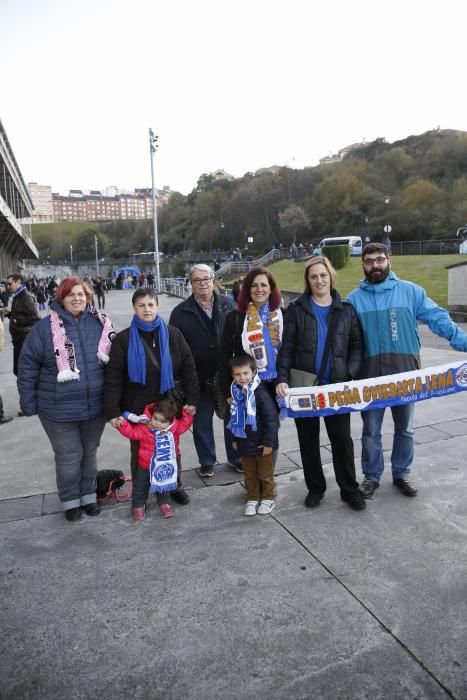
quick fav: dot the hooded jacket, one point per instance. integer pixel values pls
(389, 312)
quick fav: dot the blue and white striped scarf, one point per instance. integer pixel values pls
(243, 408)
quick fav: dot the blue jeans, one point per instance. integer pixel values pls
(203, 435)
(75, 447)
(402, 447)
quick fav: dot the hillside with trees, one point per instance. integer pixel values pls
(418, 185)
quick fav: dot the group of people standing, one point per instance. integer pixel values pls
(152, 380)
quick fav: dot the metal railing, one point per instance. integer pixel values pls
(233, 267)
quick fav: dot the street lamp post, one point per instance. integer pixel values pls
(71, 255)
(387, 227)
(97, 255)
(153, 146)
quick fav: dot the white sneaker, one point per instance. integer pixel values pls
(266, 507)
(250, 508)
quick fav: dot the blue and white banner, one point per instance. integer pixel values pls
(379, 392)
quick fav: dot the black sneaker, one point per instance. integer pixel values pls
(5, 419)
(73, 514)
(354, 499)
(92, 508)
(405, 487)
(206, 470)
(313, 500)
(180, 496)
(368, 487)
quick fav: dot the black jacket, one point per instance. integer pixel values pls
(23, 315)
(300, 340)
(202, 335)
(267, 425)
(120, 394)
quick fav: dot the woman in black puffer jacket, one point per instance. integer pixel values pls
(307, 322)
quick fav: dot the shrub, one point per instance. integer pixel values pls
(337, 254)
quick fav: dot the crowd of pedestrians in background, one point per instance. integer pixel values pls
(153, 381)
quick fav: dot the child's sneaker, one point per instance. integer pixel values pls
(138, 514)
(250, 508)
(266, 507)
(166, 510)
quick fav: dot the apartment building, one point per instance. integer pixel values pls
(41, 196)
(79, 205)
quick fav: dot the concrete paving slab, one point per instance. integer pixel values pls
(452, 428)
(20, 508)
(324, 603)
(405, 559)
(429, 433)
(249, 614)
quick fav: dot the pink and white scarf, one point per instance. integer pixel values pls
(64, 349)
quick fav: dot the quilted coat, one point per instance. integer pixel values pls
(40, 393)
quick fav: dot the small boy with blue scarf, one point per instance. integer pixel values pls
(254, 425)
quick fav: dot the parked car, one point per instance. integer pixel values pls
(354, 243)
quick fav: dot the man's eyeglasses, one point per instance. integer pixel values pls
(369, 262)
(203, 280)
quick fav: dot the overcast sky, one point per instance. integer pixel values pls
(234, 85)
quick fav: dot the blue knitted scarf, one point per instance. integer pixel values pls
(137, 358)
(243, 408)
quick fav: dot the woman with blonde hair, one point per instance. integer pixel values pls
(322, 335)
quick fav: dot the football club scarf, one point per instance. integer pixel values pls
(19, 290)
(261, 338)
(64, 350)
(137, 357)
(163, 465)
(243, 408)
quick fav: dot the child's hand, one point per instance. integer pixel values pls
(267, 451)
(234, 445)
(191, 410)
(116, 422)
(229, 400)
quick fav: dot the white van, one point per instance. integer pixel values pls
(354, 243)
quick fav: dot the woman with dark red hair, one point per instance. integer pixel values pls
(254, 328)
(61, 379)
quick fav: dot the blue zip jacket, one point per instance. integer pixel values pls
(77, 400)
(389, 312)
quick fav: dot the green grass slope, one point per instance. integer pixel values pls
(427, 270)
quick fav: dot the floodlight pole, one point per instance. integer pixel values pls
(153, 146)
(97, 256)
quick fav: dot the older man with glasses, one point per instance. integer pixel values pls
(200, 318)
(389, 309)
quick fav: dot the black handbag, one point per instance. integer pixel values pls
(109, 483)
(218, 400)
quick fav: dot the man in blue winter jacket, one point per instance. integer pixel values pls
(388, 309)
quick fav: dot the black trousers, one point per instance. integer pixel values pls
(338, 430)
(17, 345)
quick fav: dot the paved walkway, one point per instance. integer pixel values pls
(316, 604)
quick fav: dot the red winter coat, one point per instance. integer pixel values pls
(141, 432)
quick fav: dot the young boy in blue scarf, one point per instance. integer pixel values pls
(254, 425)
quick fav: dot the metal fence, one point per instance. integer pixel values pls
(449, 245)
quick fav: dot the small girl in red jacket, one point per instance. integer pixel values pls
(159, 462)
